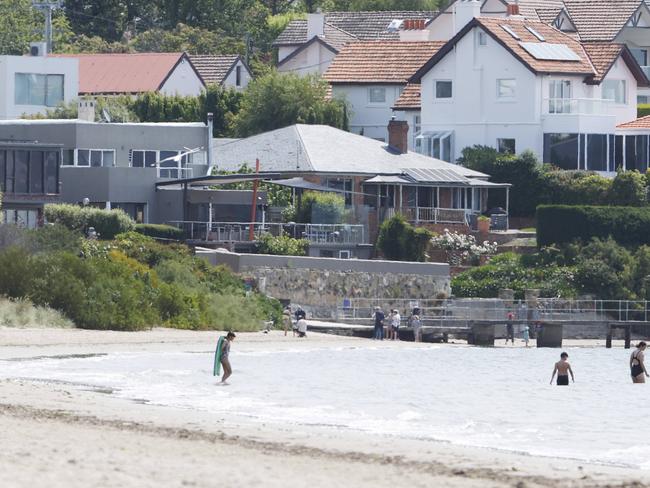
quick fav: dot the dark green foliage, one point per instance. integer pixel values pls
(160, 231)
(510, 271)
(278, 100)
(400, 241)
(282, 245)
(277, 195)
(643, 109)
(628, 189)
(321, 208)
(107, 223)
(557, 224)
(53, 237)
(604, 270)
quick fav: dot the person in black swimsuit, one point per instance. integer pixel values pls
(637, 366)
(563, 369)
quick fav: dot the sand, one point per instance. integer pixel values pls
(56, 435)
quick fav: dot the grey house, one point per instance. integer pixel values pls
(111, 165)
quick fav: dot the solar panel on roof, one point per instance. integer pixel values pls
(550, 52)
(511, 32)
(535, 33)
(434, 175)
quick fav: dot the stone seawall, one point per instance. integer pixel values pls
(321, 285)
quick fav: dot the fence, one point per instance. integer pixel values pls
(467, 309)
(240, 231)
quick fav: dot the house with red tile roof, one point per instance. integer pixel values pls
(134, 73)
(517, 85)
(371, 76)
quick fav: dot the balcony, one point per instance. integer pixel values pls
(433, 215)
(578, 115)
(235, 232)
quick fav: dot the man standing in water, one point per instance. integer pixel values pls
(563, 368)
(225, 353)
(637, 366)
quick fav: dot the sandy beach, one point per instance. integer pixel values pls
(57, 434)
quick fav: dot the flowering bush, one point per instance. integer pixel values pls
(462, 247)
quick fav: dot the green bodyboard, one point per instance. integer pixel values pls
(217, 357)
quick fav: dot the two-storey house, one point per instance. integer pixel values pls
(515, 84)
(371, 76)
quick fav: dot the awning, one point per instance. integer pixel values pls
(303, 185)
(387, 180)
(488, 184)
(214, 180)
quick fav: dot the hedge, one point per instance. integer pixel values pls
(160, 231)
(107, 223)
(557, 224)
(643, 109)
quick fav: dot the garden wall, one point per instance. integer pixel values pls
(320, 285)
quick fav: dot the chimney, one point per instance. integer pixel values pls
(513, 9)
(86, 110)
(315, 25)
(464, 13)
(208, 146)
(398, 131)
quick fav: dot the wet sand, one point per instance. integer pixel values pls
(58, 435)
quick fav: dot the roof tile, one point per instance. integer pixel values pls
(409, 99)
(602, 55)
(600, 20)
(392, 62)
(640, 123)
(213, 69)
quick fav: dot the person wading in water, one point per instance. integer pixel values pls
(637, 366)
(563, 368)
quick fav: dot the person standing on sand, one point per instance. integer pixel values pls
(526, 334)
(379, 324)
(416, 323)
(637, 366)
(225, 361)
(395, 320)
(563, 368)
(286, 320)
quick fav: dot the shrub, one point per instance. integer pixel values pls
(321, 208)
(575, 188)
(107, 223)
(642, 110)
(23, 313)
(557, 224)
(400, 241)
(628, 189)
(160, 231)
(282, 245)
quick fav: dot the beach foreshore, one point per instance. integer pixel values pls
(62, 435)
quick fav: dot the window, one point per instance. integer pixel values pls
(343, 185)
(596, 152)
(444, 89)
(143, 158)
(95, 157)
(344, 254)
(642, 99)
(21, 172)
(22, 218)
(506, 146)
(377, 95)
(506, 88)
(482, 38)
(35, 89)
(614, 90)
(437, 145)
(559, 94)
(51, 172)
(3, 167)
(636, 153)
(238, 75)
(417, 128)
(30, 172)
(641, 56)
(36, 172)
(561, 150)
(10, 167)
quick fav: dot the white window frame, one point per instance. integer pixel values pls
(435, 91)
(47, 77)
(91, 150)
(499, 92)
(558, 101)
(417, 128)
(370, 100)
(613, 100)
(133, 151)
(345, 254)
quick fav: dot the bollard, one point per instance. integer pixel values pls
(608, 340)
(483, 335)
(628, 335)
(550, 335)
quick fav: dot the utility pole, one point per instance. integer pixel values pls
(47, 6)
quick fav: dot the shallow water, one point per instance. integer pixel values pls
(497, 398)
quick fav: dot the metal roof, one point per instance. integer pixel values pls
(434, 175)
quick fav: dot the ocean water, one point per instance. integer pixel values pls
(494, 398)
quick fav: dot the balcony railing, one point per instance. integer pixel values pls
(174, 173)
(240, 231)
(578, 106)
(433, 215)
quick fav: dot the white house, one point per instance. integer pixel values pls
(134, 73)
(309, 45)
(229, 71)
(515, 84)
(371, 76)
(32, 84)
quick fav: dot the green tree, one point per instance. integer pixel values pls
(321, 208)
(185, 38)
(628, 189)
(279, 100)
(400, 241)
(367, 5)
(19, 25)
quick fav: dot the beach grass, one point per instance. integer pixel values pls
(23, 313)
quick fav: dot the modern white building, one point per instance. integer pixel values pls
(371, 76)
(514, 85)
(32, 84)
